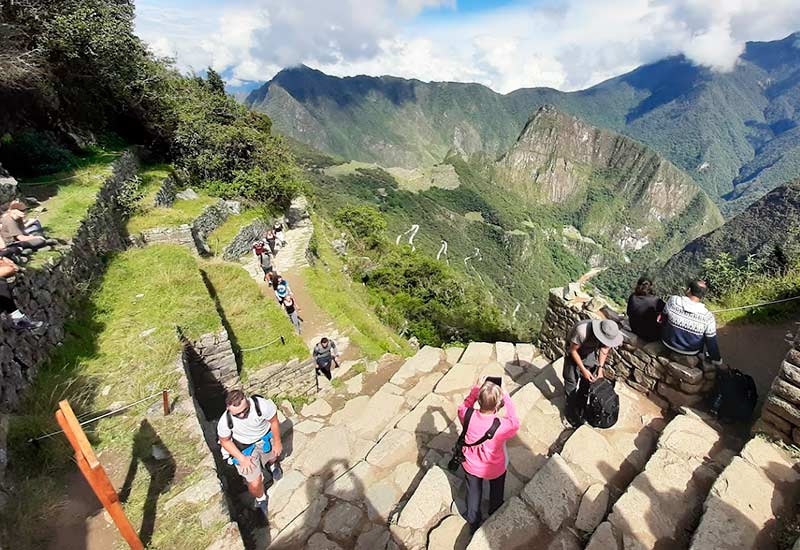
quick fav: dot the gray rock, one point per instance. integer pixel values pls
(342, 520)
(593, 508)
(451, 534)
(429, 502)
(554, 493)
(514, 525)
(188, 194)
(318, 541)
(197, 493)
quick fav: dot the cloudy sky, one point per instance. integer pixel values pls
(504, 44)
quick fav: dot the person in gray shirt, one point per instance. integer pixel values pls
(588, 344)
(250, 437)
(325, 354)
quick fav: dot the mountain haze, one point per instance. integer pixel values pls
(737, 133)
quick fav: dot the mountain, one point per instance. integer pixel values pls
(564, 198)
(617, 189)
(769, 229)
(736, 133)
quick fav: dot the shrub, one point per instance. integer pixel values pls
(365, 224)
(31, 153)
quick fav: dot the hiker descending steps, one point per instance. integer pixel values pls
(250, 437)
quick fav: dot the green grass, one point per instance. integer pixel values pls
(348, 303)
(764, 289)
(66, 202)
(181, 212)
(222, 236)
(254, 319)
(104, 352)
(359, 368)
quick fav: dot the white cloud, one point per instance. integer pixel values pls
(567, 45)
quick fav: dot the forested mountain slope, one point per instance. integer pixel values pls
(736, 133)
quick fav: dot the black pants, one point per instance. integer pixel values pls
(325, 368)
(31, 244)
(475, 495)
(572, 373)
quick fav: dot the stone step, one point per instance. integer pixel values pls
(757, 490)
(571, 485)
(662, 505)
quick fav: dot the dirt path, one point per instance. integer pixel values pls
(290, 262)
(756, 349)
(589, 275)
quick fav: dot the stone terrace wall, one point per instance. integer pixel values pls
(780, 415)
(212, 217)
(211, 367)
(667, 378)
(165, 197)
(244, 240)
(293, 379)
(46, 293)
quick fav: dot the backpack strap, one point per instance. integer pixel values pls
(488, 435)
(463, 436)
(256, 405)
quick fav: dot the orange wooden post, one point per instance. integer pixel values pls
(95, 474)
(165, 397)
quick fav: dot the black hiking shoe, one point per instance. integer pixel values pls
(277, 471)
(261, 505)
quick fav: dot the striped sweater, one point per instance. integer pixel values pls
(688, 327)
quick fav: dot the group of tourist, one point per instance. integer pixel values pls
(250, 435)
(19, 238)
(266, 250)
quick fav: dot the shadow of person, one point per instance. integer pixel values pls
(149, 450)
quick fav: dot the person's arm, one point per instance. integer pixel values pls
(573, 352)
(275, 427)
(712, 346)
(315, 353)
(509, 425)
(468, 403)
(602, 355)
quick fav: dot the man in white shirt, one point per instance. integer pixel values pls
(250, 436)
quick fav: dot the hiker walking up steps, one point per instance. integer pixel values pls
(265, 260)
(292, 310)
(269, 236)
(324, 354)
(250, 437)
(486, 460)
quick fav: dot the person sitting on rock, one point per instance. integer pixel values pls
(249, 434)
(644, 311)
(325, 354)
(588, 345)
(293, 311)
(486, 461)
(688, 326)
(15, 231)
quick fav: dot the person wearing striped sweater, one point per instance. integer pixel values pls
(688, 327)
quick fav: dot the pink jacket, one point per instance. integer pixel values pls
(487, 460)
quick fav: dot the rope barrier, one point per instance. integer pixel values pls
(279, 339)
(104, 415)
(756, 305)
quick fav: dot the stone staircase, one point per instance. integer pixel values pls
(368, 471)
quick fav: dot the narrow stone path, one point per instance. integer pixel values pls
(290, 262)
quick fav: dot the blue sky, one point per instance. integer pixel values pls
(504, 44)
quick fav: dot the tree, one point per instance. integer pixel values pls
(214, 81)
(365, 223)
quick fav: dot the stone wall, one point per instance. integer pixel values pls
(165, 197)
(294, 379)
(47, 293)
(242, 243)
(211, 367)
(780, 415)
(8, 186)
(667, 378)
(212, 217)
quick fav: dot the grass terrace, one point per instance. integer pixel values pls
(120, 347)
(252, 318)
(151, 217)
(225, 233)
(348, 302)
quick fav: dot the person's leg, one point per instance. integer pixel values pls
(497, 488)
(296, 323)
(31, 243)
(474, 495)
(571, 375)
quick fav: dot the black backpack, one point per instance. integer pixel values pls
(735, 396)
(602, 404)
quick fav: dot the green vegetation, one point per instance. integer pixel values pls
(71, 193)
(348, 302)
(111, 356)
(252, 318)
(365, 223)
(225, 233)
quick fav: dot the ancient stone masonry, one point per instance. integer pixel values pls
(8, 186)
(294, 379)
(650, 368)
(212, 217)
(780, 416)
(45, 293)
(243, 241)
(211, 366)
(165, 197)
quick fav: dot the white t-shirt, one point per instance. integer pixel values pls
(251, 429)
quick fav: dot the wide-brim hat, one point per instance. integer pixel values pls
(607, 332)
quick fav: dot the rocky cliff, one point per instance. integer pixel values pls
(613, 186)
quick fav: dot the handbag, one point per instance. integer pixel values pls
(458, 448)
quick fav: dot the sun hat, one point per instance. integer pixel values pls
(607, 332)
(282, 291)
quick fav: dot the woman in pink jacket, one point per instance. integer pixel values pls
(487, 460)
